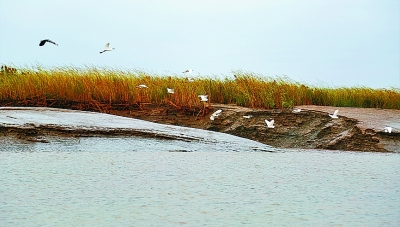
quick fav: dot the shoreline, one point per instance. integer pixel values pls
(356, 129)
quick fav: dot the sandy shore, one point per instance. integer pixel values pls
(356, 129)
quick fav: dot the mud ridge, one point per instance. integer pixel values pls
(312, 128)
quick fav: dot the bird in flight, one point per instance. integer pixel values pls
(44, 41)
(334, 115)
(270, 124)
(188, 71)
(107, 48)
(215, 114)
(203, 98)
(388, 129)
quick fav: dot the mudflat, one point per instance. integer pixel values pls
(355, 129)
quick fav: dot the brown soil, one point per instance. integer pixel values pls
(356, 129)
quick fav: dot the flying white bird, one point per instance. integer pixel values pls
(296, 111)
(45, 41)
(190, 79)
(334, 115)
(142, 86)
(203, 98)
(170, 91)
(215, 114)
(107, 48)
(270, 124)
(247, 116)
(388, 129)
(188, 71)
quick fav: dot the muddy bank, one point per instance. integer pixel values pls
(356, 129)
(38, 124)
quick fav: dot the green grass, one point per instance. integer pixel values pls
(39, 86)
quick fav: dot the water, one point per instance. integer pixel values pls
(98, 181)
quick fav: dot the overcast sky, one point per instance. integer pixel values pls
(330, 42)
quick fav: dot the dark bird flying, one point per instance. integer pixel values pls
(45, 41)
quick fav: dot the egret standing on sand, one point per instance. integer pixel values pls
(296, 111)
(334, 115)
(107, 48)
(45, 41)
(270, 124)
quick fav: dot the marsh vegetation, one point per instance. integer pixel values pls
(105, 88)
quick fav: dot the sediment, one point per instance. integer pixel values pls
(356, 129)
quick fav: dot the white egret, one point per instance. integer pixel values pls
(247, 116)
(142, 86)
(170, 91)
(203, 98)
(388, 129)
(270, 124)
(215, 114)
(334, 115)
(296, 110)
(107, 48)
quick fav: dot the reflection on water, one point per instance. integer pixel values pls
(137, 182)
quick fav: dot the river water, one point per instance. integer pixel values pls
(133, 181)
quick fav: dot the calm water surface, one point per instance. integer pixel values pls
(143, 182)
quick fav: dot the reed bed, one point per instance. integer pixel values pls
(116, 88)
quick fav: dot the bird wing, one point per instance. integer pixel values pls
(42, 42)
(48, 40)
(336, 112)
(107, 46)
(272, 122)
(218, 111)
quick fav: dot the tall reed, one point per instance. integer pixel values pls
(116, 86)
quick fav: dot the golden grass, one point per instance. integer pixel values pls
(115, 86)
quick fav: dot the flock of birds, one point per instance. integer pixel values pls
(270, 123)
(204, 98)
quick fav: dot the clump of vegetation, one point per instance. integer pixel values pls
(116, 88)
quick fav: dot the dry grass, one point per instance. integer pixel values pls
(37, 86)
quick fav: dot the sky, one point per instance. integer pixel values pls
(323, 43)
